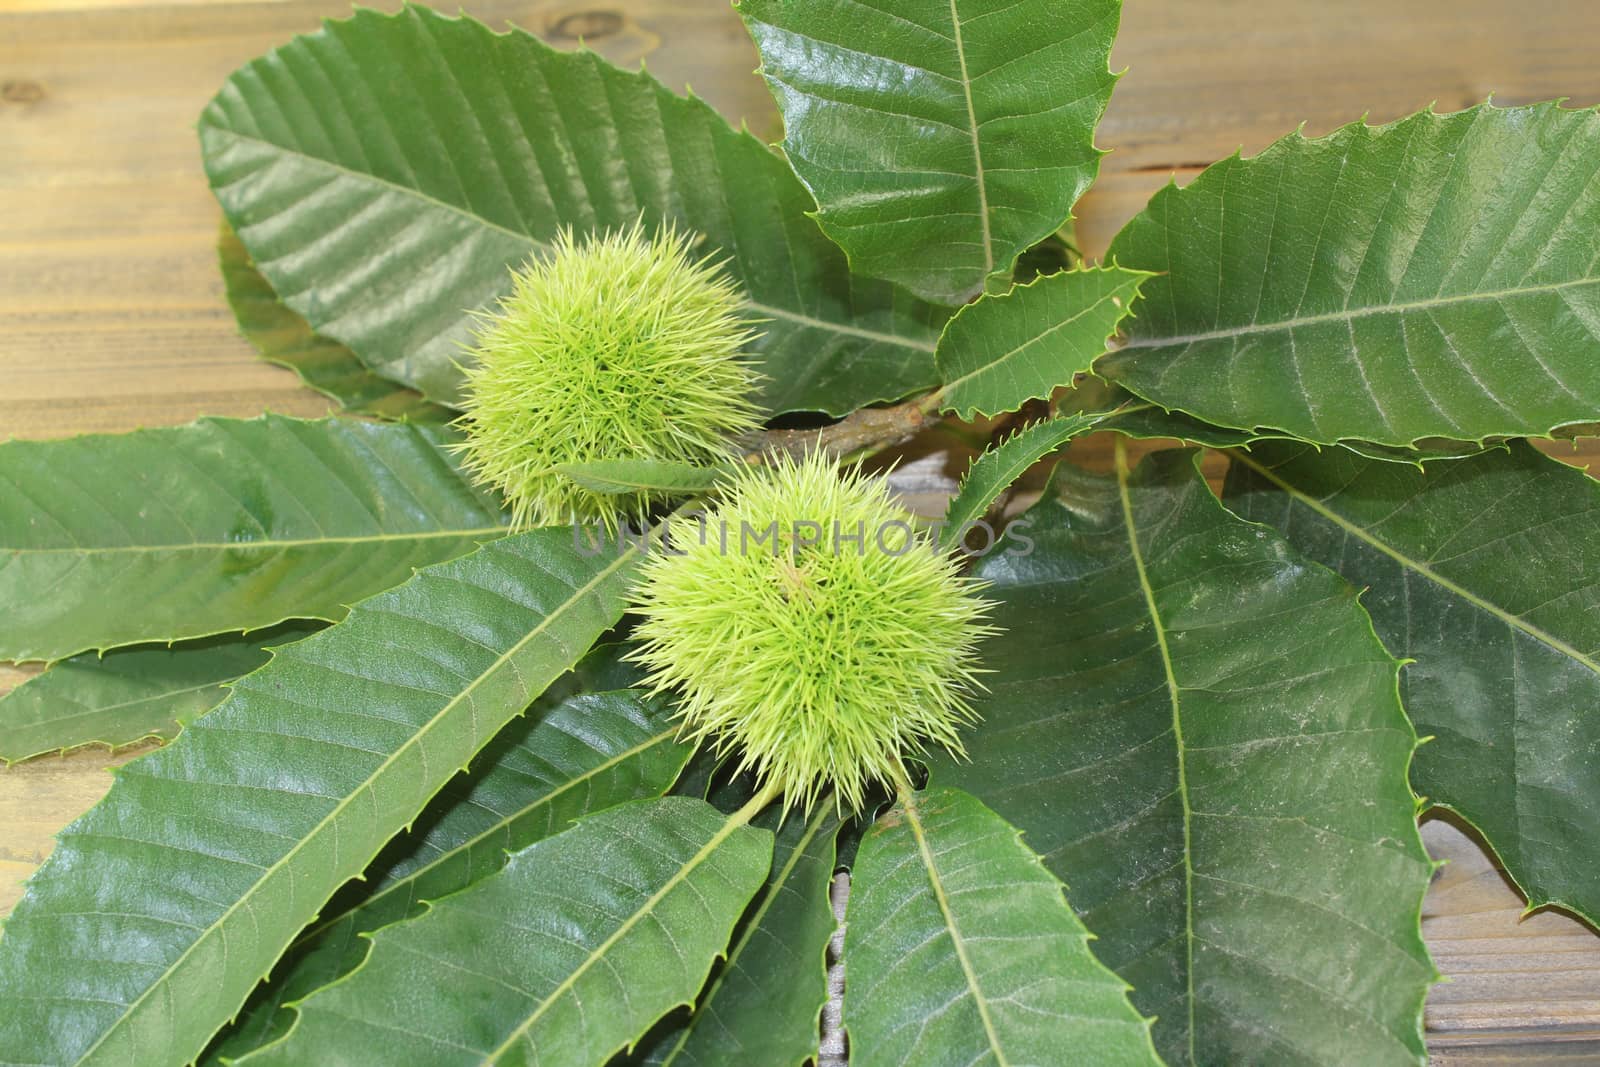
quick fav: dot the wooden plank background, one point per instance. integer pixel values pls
(112, 317)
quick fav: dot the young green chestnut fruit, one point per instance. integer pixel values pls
(616, 346)
(807, 628)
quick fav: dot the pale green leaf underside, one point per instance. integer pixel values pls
(961, 949)
(571, 755)
(1487, 572)
(384, 211)
(162, 907)
(1148, 421)
(1000, 352)
(763, 1004)
(1437, 277)
(563, 957)
(283, 336)
(940, 137)
(1201, 732)
(129, 694)
(611, 476)
(1125, 413)
(997, 468)
(221, 525)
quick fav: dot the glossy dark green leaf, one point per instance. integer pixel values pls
(635, 475)
(993, 471)
(763, 1004)
(283, 336)
(1000, 352)
(1200, 731)
(160, 909)
(221, 525)
(385, 210)
(940, 137)
(572, 754)
(130, 694)
(565, 956)
(700, 777)
(1487, 573)
(960, 949)
(1437, 277)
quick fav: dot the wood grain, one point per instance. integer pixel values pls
(111, 310)
(37, 799)
(1519, 989)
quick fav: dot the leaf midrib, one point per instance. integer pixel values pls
(731, 824)
(1173, 690)
(1278, 326)
(538, 245)
(425, 730)
(1011, 469)
(85, 712)
(269, 543)
(1417, 566)
(908, 801)
(1007, 356)
(500, 824)
(739, 946)
(977, 148)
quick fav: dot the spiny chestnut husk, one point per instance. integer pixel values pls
(811, 631)
(619, 346)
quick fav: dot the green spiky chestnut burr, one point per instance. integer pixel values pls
(819, 658)
(616, 346)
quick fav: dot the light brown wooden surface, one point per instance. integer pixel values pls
(111, 313)
(1517, 990)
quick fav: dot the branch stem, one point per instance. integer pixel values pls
(862, 432)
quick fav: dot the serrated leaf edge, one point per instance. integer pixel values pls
(823, 224)
(971, 410)
(1424, 571)
(1297, 138)
(1416, 742)
(642, 74)
(423, 730)
(731, 824)
(1063, 429)
(818, 819)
